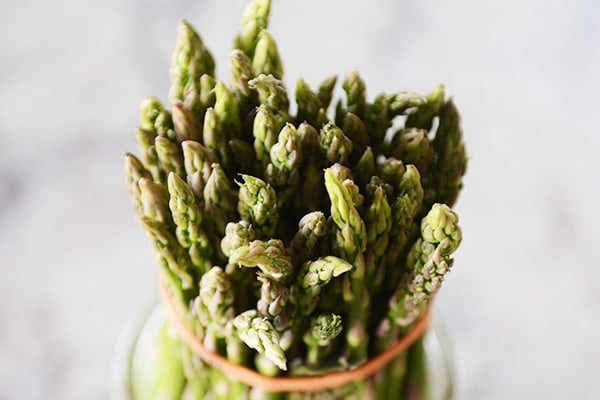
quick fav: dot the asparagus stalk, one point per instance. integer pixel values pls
(429, 260)
(352, 241)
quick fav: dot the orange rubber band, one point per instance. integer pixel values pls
(305, 384)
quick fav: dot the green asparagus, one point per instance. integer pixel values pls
(293, 239)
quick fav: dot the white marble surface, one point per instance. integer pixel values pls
(522, 302)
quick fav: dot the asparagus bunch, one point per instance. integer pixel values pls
(293, 243)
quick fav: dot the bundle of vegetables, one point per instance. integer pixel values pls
(294, 243)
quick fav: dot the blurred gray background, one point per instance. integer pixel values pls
(522, 302)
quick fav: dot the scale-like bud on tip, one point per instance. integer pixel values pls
(336, 146)
(365, 167)
(155, 201)
(451, 162)
(154, 117)
(286, 157)
(214, 137)
(254, 20)
(308, 103)
(272, 93)
(241, 70)
(352, 236)
(392, 171)
(311, 228)
(270, 257)
(313, 276)
(227, 112)
(259, 334)
(422, 116)
(265, 130)
(216, 297)
(185, 212)
(439, 224)
(326, 327)
(170, 156)
(187, 126)
(258, 203)
(197, 162)
(356, 94)
(219, 199)
(191, 60)
(266, 59)
(134, 171)
(237, 234)
(325, 91)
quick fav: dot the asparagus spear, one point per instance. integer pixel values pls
(272, 93)
(273, 301)
(227, 112)
(259, 334)
(242, 72)
(170, 255)
(451, 159)
(352, 240)
(197, 161)
(336, 146)
(378, 221)
(214, 137)
(134, 171)
(154, 117)
(254, 20)
(356, 94)
(237, 234)
(270, 257)
(325, 91)
(266, 59)
(311, 228)
(155, 202)
(170, 157)
(286, 158)
(308, 102)
(214, 304)
(219, 199)
(191, 60)
(406, 208)
(265, 131)
(323, 330)
(188, 218)
(312, 277)
(429, 260)
(258, 204)
(213, 133)
(423, 115)
(215, 308)
(145, 139)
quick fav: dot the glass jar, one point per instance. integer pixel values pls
(148, 366)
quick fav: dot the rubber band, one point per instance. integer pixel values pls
(304, 384)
